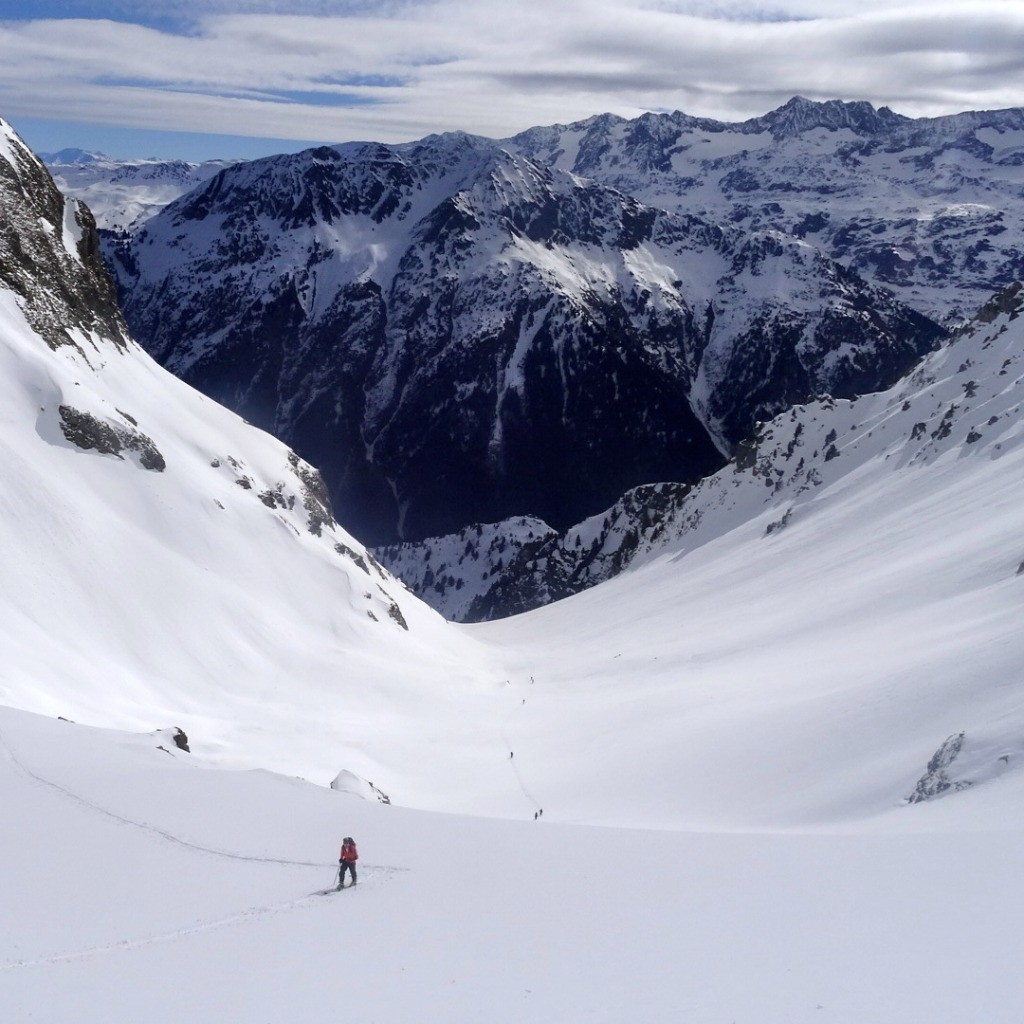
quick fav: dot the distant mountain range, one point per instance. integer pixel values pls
(463, 330)
(122, 192)
(928, 207)
(583, 320)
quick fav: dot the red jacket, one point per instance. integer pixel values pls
(348, 852)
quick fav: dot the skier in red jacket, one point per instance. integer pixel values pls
(347, 859)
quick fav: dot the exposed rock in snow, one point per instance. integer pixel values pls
(936, 779)
(49, 255)
(961, 763)
(90, 433)
(174, 737)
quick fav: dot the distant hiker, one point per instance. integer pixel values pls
(347, 860)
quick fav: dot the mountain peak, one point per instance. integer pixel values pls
(73, 155)
(49, 253)
(800, 114)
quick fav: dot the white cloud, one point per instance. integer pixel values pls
(401, 70)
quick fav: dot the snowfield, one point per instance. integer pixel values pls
(756, 706)
(144, 887)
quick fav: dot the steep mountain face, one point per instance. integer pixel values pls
(964, 401)
(49, 254)
(928, 207)
(160, 553)
(121, 193)
(456, 333)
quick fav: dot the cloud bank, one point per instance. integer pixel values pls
(393, 71)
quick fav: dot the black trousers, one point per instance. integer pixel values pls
(347, 865)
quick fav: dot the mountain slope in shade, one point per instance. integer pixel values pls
(972, 393)
(452, 332)
(852, 588)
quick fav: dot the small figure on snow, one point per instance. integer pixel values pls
(347, 861)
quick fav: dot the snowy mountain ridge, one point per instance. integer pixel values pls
(928, 207)
(455, 332)
(770, 171)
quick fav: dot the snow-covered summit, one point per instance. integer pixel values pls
(801, 115)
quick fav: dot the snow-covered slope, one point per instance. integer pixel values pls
(142, 886)
(929, 207)
(807, 678)
(164, 563)
(455, 333)
(789, 630)
(851, 591)
(122, 193)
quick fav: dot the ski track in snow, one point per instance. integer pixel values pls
(511, 759)
(203, 926)
(181, 933)
(152, 940)
(170, 837)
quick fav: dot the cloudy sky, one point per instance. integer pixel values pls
(198, 78)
